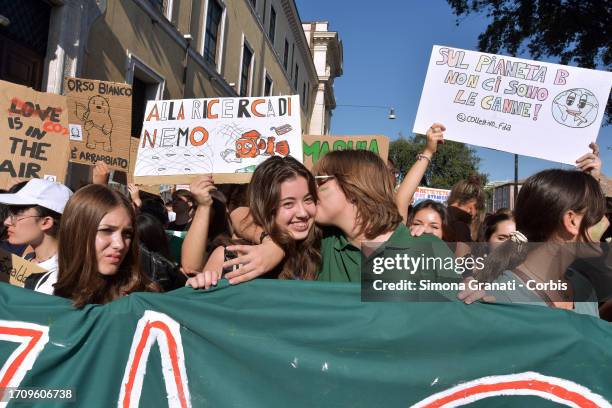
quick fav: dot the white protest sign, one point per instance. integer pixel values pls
(225, 136)
(532, 108)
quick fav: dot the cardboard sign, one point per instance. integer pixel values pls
(425, 193)
(100, 120)
(33, 135)
(532, 108)
(133, 155)
(15, 270)
(316, 147)
(182, 139)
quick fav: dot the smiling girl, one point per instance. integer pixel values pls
(428, 217)
(282, 196)
(98, 249)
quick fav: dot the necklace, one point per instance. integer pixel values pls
(558, 295)
(38, 261)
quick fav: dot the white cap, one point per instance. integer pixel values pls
(48, 194)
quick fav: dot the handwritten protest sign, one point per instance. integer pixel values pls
(133, 155)
(316, 147)
(226, 136)
(99, 115)
(33, 135)
(15, 270)
(425, 193)
(533, 108)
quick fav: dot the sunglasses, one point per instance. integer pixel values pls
(14, 218)
(320, 180)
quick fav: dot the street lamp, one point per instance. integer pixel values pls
(515, 178)
(391, 110)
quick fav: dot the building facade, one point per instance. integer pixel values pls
(167, 49)
(501, 195)
(326, 48)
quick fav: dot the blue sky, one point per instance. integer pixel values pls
(387, 45)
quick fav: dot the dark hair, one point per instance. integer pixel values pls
(152, 234)
(155, 207)
(185, 194)
(433, 205)
(264, 193)
(220, 224)
(540, 206)
(491, 221)
(466, 190)
(364, 179)
(17, 186)
(155, 258)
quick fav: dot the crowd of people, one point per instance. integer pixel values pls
(98, 245)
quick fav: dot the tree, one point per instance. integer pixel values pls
(574, 31)
(453, 162)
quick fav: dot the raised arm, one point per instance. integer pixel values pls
(403, 196)
(100, 173)
(194, 245)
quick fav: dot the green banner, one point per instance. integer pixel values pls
(271, 343)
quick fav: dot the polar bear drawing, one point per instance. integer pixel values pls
(96, 122)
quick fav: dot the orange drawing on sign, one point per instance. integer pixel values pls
(251, 144)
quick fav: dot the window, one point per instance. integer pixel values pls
(147, 85)
(213, 27)
(164, 7)
(286, 57)
(292, 56)
(295, 78)
(272, 31)
(245, 70)
(267, 86)
(139, 103)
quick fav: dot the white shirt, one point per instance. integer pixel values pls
(45, 284)
(171, 216)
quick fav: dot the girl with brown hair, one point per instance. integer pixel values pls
(357, 202)
(465, 201)
(98, 248)
(560, 215)
(282, 196)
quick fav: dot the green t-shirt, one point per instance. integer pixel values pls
(341, 260)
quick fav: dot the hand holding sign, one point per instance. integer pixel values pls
(435, 136)
(533, 108)
(201, 189)
(100, 173)
(590, 162)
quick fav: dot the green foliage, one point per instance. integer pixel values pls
(453, 162)
(577, 32)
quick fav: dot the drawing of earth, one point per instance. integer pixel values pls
(576, 108)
